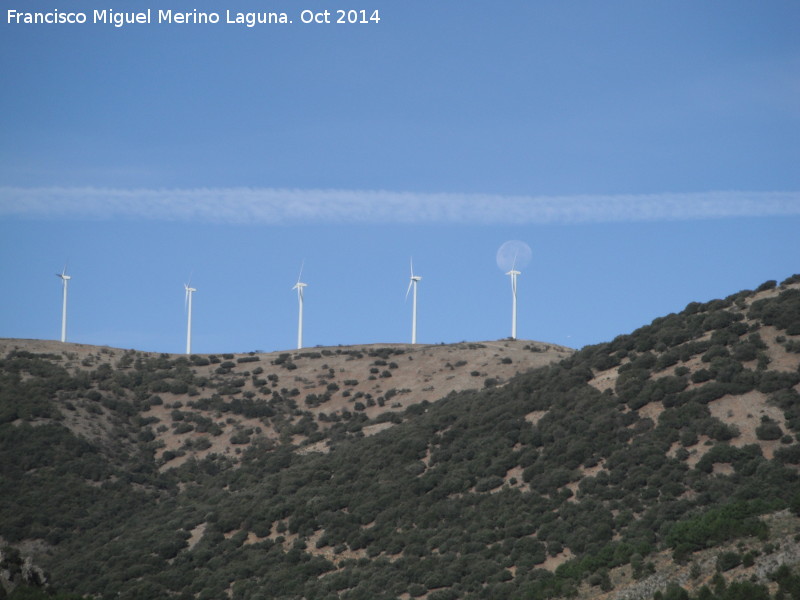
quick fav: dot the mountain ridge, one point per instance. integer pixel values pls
(665, 457)
(375, 380)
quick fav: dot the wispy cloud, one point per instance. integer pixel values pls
(290, 206)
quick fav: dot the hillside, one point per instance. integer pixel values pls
(666, 457)
(190, 407)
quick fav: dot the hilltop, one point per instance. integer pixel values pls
(204, 404)
(666, 457)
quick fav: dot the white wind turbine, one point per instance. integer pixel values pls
(513, 255)
(513, 273)
(299, 287)
(415, 279)
(189, 291)
(65, 279)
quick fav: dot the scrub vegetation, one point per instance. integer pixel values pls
(659, 462)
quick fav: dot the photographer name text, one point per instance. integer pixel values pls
(194, 17)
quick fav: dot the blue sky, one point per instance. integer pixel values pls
(646, 151)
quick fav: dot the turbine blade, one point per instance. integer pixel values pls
(300, 275)
(410, 283)
(412, 267)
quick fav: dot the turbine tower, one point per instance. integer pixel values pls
(65, 279)
(513, 273)
(299, 287)
(189, 291)
(415, 279)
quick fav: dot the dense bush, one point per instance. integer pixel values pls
(782, 311)
(768, 429)
(715, 526)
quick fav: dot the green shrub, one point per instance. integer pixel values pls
(183, 427)
(727, 561)
(240, 437)
(768, 429)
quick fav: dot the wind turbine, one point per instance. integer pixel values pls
(415, 279)
(513, 273)
(65, 279)
(189, 291)
(511, 254)
(299, 287)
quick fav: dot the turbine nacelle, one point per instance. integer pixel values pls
(189, 291)
(63, 275)
(414, 279)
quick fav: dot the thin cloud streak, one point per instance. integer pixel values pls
(292, 206)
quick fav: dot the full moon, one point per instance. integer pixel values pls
(513, 254)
